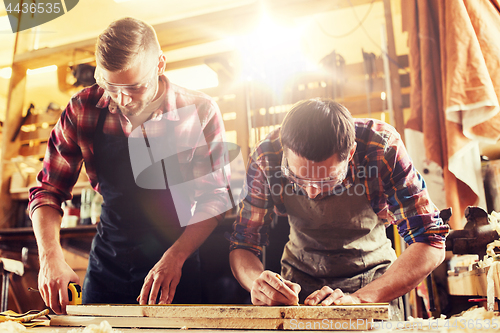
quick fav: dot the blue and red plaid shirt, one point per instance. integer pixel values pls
(71, 144)
(381, 166)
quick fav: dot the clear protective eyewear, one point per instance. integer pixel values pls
(325, 184)
(127, 89)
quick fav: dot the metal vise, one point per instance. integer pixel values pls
(477, 233)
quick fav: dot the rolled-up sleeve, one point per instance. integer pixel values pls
(412, 210)
(61, 165)
(251, 228)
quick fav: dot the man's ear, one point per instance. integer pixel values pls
(162, 64)
(353, 150)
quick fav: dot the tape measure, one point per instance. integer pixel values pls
(74, 293)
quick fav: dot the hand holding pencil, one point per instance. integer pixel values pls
(281, 279)
(271, 289)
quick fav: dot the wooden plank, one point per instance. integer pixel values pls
(40, 134)
(151, 322)
(472, 283)
(50, 118)
(355, 311)
(9, 149)
(216, 323)
(394, 72)
(37, 149)
(358, 105)
(358, 69)
(22, 193)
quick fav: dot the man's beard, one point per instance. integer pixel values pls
(137, 107)
(133, 110)
(319, 197)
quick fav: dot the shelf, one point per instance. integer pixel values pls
(12, 234)
(13, 239)
(472, 283)
(22, 193)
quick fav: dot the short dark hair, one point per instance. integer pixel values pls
(123, 42)
(316, 129)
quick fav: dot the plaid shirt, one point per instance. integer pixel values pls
(71, 144)
(381, 166)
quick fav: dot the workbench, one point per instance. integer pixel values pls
(250, 318)
(154, 330)
(228, 317)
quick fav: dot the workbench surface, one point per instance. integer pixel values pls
(238, 319)
(165, 330)
(155, 330)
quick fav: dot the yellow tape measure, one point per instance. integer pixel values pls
(74, 293)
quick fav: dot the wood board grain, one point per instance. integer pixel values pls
(337, 317)
(363, 311)
(215, 323)
(355, 311)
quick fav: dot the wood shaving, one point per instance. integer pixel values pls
(104, 327)
(476, 313)
(493, 219)
(12, 327)
(461, 322)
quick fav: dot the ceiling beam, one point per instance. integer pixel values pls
(193, 30)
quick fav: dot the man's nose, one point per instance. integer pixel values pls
(312, 192)
(123, 99)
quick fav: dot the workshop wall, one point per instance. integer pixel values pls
(320, 34)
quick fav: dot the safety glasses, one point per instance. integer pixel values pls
(325, 184)
(127, 89)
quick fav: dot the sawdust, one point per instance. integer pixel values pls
(473, 320)
(478, 313)
(12, 327)
(104, 327)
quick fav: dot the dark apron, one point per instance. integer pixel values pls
(137, 226)
(338, 241)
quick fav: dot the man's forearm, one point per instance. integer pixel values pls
(193, 236)
(46, 226)
(246, 267)
(412, 266)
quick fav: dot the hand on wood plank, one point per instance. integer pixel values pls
(270, 289)
(162, 280)
(328, 296)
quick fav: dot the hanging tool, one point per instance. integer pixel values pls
(369, 65)
(334, 64)
(477, 233)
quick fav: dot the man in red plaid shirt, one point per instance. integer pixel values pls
(340, 181)
(123, 128)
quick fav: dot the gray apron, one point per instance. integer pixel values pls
(338, 242)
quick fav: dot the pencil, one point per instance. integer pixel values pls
(279, 278)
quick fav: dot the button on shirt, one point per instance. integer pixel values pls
(71, 143)
(380, 169)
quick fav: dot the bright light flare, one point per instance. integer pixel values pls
(6, 73)
(271, 52)
(42, 70)
(195, 77)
